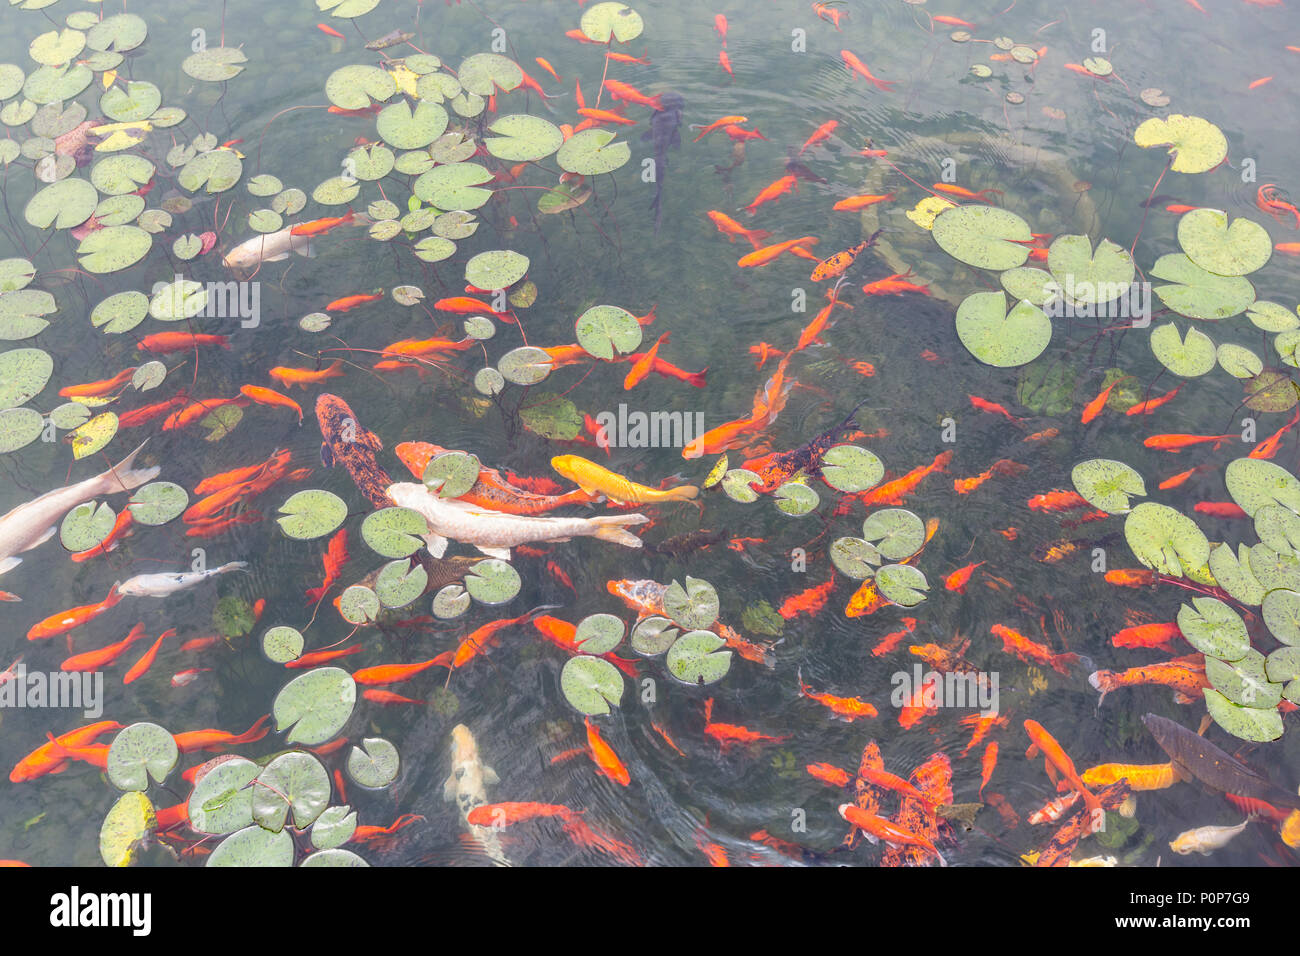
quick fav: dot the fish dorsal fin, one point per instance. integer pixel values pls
(490, 776)
(449, 788)
(502, 553)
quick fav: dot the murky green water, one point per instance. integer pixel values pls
(1064, 160)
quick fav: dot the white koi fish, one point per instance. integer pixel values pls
(467, 785)
(494, 532)
(35, 522)
(1205, 840)
(169, 582)
(271, 247)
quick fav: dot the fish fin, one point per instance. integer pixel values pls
(502, 553)
(125, 473)
(610, 528)
(490, 776)
(8, 564)
(280, 258)
(233, 566)
(436, 544)
(46, 536)
(307, 251)
(682, 493)
(326, 455)
(449, 789)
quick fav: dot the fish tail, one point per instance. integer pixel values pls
(682, 493)
(124, 476)
(233, 566)
(611, 528)
(334, 369)
(697, 378)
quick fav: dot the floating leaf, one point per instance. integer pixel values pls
(737, 485)
(1088, 277)
(1189, 357)
(403, 128)
(282, 644)
(138, 753)
(86, 526)
(63, 205)
(457, 224)
(232, 616)
(479, 327)
(1213, 628)
(1254, 483)
(315, 322)
(56, 47)
(316, 705)
(693, 606)
(1275, 569)
(312, 514)
(604, 330)
(254, 846)
(696, 658)
(795, 498)
(986, 237)
(1000, 338)
(334, 827)
(1281, 611)
(552, 417)
(762, 618)
(591, 684)
(1200, 294)
(216, 171)
(563, 197)
(1238, 361)
(91, 436)
(1227, 250)
(119, 175)
(451, 601)
(494, 270)
(23, 374)
(599, 633)
(1107, 484)
(592, 152)
(221, 422)
(294, 781)
(1278, 528)
(1248, 723)
(130, 102)
(158, 502)
(15, 274)
(492, 582)
(1164, 539)
(359, 605)
(902, 584)
(522, 138)
(19, 427)
(717, 472)
(355, 87)
(69, 415)
(395, 532)
(854, 557)
(653, 635)
(488, 381)
(222, 800)
(1030, 284)
(374, 764)
(898, 533)
(1244, 681)
(1233, 574)
(399, 584)
(336, 191)
(485, 73)
(215, 65)
(1272, 317)
(454, 186)
(1196, 144)
(434, 248)
(114, 248)
(604, 21)
(128, 821)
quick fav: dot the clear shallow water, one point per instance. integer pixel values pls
(715, 311)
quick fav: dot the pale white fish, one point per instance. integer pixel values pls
(494, 532)
(1205, 840)
(35, 522)
(270, 247)
(467, 785)
(169, 582)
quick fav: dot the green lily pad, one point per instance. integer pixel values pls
(1274, 569)
(254, 846)
(1046, 388)
(56, 47)
(485, 73)
(260, 220)
(1200, 294)
(653, 635)
(454, 186)
(131, 103)
(312, 514)
(563, 197)
(1164, 539)
(1189, 357)
(492, 581)
(1270, 391)
(854, 557)
(605, 21)
(315, 705)
(522, 138)
(93, 435)
(138, 753)
(1029, 284)
(356, 87)
(85, 526)
(1239, 361)
(400, 584)
(215, 65)
(1107, 484)
(1000, 338)
(434, 248)
(1088, 277)
(599, 633)
(23, 375)
(69, 415)
(1233, 574)
(177, 300)
(1272, 317)
(64, 204)
(591, 684)
(552, 417)
(282, 644)
(114, 248)
(118, 33)
(154, 220)
(737, 485)
(1196, 145)
(795, 498)
(592, 152)
(158, 503)
(479, 327)
(1254, 483)
(336, 856)
(119, 210)
(402, 128)
(19, 427)
(128, 821)
(1214, 629)
(334, 827)
(457, 224)
(604, 330)
(1244, 681)
(359, 605)
(15, 274)
(762, 618)
(1227, 250)
(118, 175)
(221, 422)
(494, 270)
(315, 322)
(450, 602)
(264, 185)
(1281, 611)
(347, 9)
(215, 171)
(693, 606)
(52, 120)
(232, 616)
(1248, 723)
(986, 237)
(407, 294)
(11, 80)
(20, 313)
(290, 202)
(696, 658)
(293, 781)
(523, 296)
(851, 468)
(902, 584)
(1278, 528)
(149, 376)
(898, 533)
(488, 381)
(524, 366)
(336, 191)
(222, 800)
(374, 764)
(394, 532)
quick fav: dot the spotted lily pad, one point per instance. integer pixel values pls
(1272, 317)
(696, 658)
(902, 584)
(653, 635)
(1189, 357)
(1283, 667)
(492, 582)
(355, 87)
(293, 781)
(450, 602)
(897, 532)
(488, 381)
(592, 152)
(334, 827)
(1254, 483)
(20, 313)
(23, 374)
(1000, 338)
(394, 532)
(599, 633)
(1244, 681)
(1233, 574)
(157, 502)
(563, 197)
(113, 248)
(85, 526)
(522, 138)
(854, 557)
(1164, 539)
(604, 330)
(455, 186)
(215, 171)
(1248, 723)
(312, 514)
(315, 705)
(254, 846)
(1238, 361)
(64, 204)
(1090, 277)
(498, 269)
(399, 583)
(19, 427)
(1270, 391)
(403, 128)
(1196, 145)
(91, 436)
(69, 415)
(479, 327)
(56, 47)
(693, 606)
(1226, 250)
(525, 366)
(485, 73)
(282, 644)
(359, 605)
(737, 484)
(15, 274)
(138, 753)
(374, 764)
(222, 800)
(1214, 629)
(129, 821)
(986, 237)
(552, 417)
(795, 498)
(1030, 284)
(1107, 484)
(605, 21)
(591, 684)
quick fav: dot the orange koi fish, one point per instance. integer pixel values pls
(464, 305)
(982, 724)
(846, 708)
(75, 617)
(893, 492)
(1058, 501)
(1158, 776)
(1094, 407)
(731, 734)
(1176, 443)
(621, 57)
(1220, 509)
(209, 739)
(825, 11)
(830, 774)
(99, 389)
(896, 284)
(719, 124)
(761, 257)
(724, 61)
(313, 658)
(854, 203)
(164, 343)
(1266, 198)
(1031, 652)
(329, 30)
(318, 227)
(241, 475)
(729, 228)
(773, 192)
(545, 65)
(1182, 477)
(808, 602)
(882, 829)
(336, 555)
(994, 408)
(1269, 446)
(958, 580)
(122, 528)
(856, 66)
(630, 94)
(349, 302)
(720, 27)
(839, 263)
(954, 22)
(382, 674)
(508, 814)
(1147, 635)
(43, 760)
(961, 192)
(103, 656)
(1185, 676)
(270, 397)
(146, 660)
(1055, 755)
(387, 697)
(641, 368)
(606, 759)
(289, 377)
(821, 133)
(605, 116)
